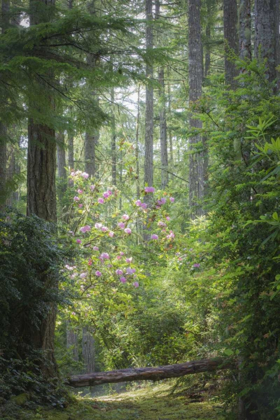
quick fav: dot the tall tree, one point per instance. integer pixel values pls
(231, 40)
(162, 116)
(113, 140)
(197, 170)
(61, 165)
(92, 135)
(41, 169)
(3, 129)
(149, 120)
(265, 39)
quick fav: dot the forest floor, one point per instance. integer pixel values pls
(148, 403)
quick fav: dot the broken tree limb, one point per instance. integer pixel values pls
(150, 373)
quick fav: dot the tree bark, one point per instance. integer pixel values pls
(88, 351)
(150, 373)
(197, 175)
(163, 132)
(149, 121)
(61, 166)
(41, 191)
(208, 39)
(245, 48)
(72, 341)
(265, 40)
(113, 140)
(231, 40)
(5, 8)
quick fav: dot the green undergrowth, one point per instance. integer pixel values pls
(149, 403)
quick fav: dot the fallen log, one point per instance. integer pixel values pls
(150, 373)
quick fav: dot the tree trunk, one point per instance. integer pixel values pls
(137, 145)
(71, 151)
(149, 121)
(41, 191)
(113, 140)
(3, 162)
(92, 136)
(231, 40)
(5, 8)
(197, 175)
(61, 166)
(150, 373)
(265, 40)
(72, 341)
(88, 351)
(163, 132)
(208, 39)
(245, 48)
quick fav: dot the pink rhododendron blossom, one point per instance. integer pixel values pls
(85, 175)
(122, 253)
(85, 229)
(109, 265)
(106, 195)
(123, 279)
(92, 187)
(98, 225)
(73, 275)
(73, 173)
(168, 218)
(121, 225)
(196, 265)
(171, 235)
(80, 206)
(144, 205)
(109, 192)
(154, 236)
(100, 200)
(119, 257)
(128, 231)
(138, 203)
(98, 273)
(172, 199)
(76, 199)
(161, 224)
(161, 201)
(105, 256)
(119, 272)
(95, 248)
(89, 262)
(78, 241)
(111, 234)
(149, 189)
(130, 270)
(83, 275)
(129, 260)
(136, 284)
(104, 229)
(80, 191)
(69, 267)
(125, 217)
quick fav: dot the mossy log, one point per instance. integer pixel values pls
(150, 373)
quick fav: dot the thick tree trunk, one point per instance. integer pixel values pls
(265, 40)
(150, 373)
(41, 168)
(149, 122)
(88, 351)
(231, 40)
(137, 145)
(197, 175)
(41, 191)
(245, 48)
